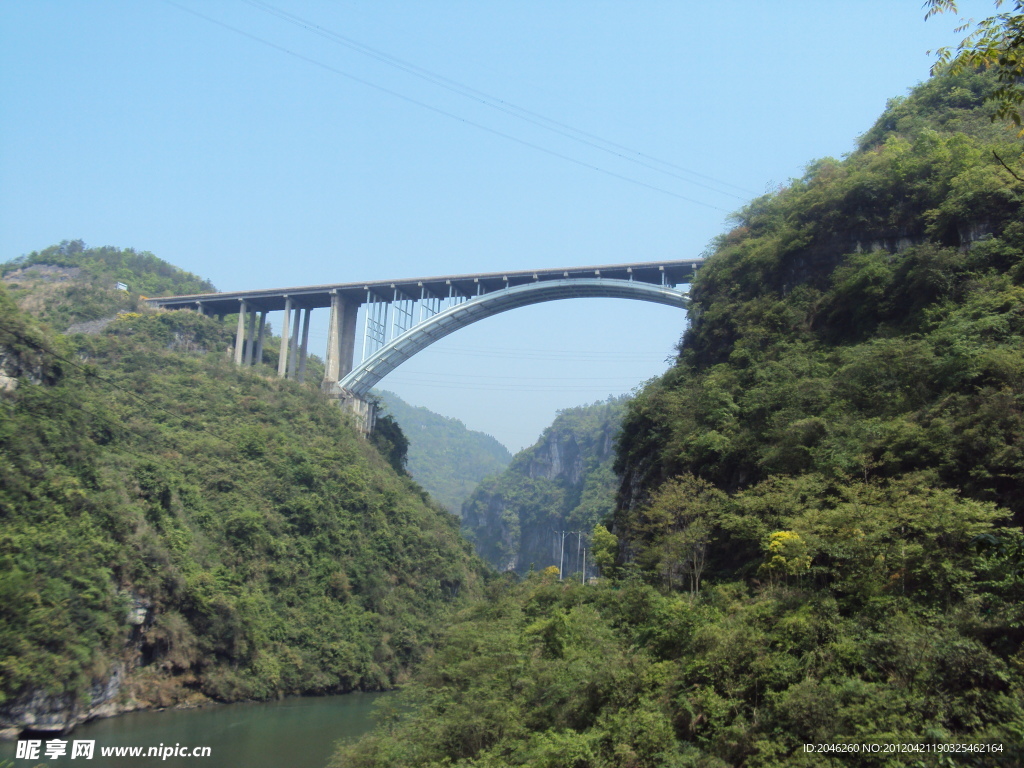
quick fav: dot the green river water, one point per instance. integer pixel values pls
(293, 733)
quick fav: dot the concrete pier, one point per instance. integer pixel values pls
(250, 342)
(240, 334)
(301, 374)
(341, 339)
(364, 411)
(282, 360)
(260, 337)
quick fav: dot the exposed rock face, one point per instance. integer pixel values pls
(126, 688)
(558, 489)
(14, 367)
(17, 368)
(48, 273)
(39, 711)
(558, 457)
(91, 327)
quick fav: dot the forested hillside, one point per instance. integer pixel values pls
(560, 487)
(175, 528)
(817, 537)
(71, 283)
(444, 457)
(864, 322)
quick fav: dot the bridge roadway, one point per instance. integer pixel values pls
(319, 296)
(401, 317)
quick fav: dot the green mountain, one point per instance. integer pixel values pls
(817, 543)
(559, 488)
(69, 283)
(444, 457)
(862, 323)
(175, 528)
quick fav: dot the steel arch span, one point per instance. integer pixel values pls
(365, 376)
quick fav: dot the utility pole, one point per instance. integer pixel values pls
(561, 550)
(561, 553)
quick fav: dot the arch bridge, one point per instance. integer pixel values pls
(402, 317)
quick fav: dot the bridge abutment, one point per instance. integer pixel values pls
(363, 410)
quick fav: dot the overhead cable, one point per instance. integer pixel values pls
(494, 102)
(439, 111)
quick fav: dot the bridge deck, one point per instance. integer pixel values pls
(317, 296)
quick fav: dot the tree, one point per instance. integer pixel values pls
(787, 554)
(392, 443)
(605, 546)
(996, 43)
(678, 526)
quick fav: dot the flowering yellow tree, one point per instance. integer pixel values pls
(788, 555)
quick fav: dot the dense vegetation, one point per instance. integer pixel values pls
(898, 352)
(561, 486)
(444, 457)
(995, 43)
(817, 533)
(70, 283)
(207, 529)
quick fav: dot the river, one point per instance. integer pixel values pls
(293, 733)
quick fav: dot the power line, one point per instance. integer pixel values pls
(553, 355)
(443, 112)
(520, 350)
(461, 376)
(494, 102)
(494, 387)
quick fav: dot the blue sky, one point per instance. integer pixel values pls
(261, 152)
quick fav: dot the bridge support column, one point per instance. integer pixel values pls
(301, 376)
(260, 336)
(282, 360)
(251, 341)
(293, 353)
(240, 334)
(341, 339)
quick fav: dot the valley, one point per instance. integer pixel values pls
(807, 530)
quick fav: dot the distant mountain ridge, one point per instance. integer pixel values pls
(445, 457)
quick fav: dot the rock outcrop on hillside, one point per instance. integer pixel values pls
(559, 488)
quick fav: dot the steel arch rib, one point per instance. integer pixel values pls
(364, 376)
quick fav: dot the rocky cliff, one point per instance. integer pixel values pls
(557, 489)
